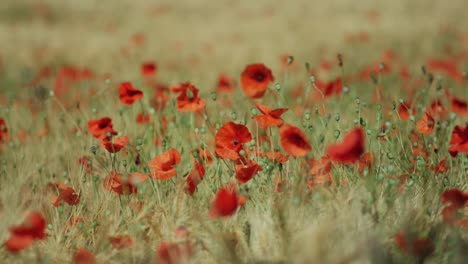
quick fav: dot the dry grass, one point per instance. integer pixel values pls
(196, 41)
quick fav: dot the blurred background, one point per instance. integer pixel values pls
(200, 38)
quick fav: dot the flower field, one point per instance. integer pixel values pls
(233, 131)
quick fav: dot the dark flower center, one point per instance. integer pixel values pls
(259, 76)
(235, 142)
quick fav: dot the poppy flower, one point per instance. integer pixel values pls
(365, 162)
(143, 118)
(162, 166)
(420, 247)
(270, 117)
(459, 106)
(320, 172)
(445, 66)
(204, 155)
(438, 109)
(188, 100)
(404, 110)
(454, 199)
(225, 84)
(101, 128)
(149, 69)
(114, 146)
(172, 252)
(229, 140)
(246, 172)
(330, 88)
(426, 124)
(194, 178)
(459, 141)
(129, 94)
(4, 136)
(22, 236)
(84, 162)
(294, 141)
(114, 182)
(120, 242)
(83, 256)
(350, 149)
(64, 193)
(255, 79)
(225, 202)
(160, 97)
(275, 156)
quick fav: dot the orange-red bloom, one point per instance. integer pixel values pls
(225, 84)
(129, 94)
(143, 118)
(4, 136)
(417, 246)
(114, 182)
(426, 124)
(171, 252)
(404, 110)
(459, 106)
(188, 100)
(101, 128)
(149, 69)
(83, 256)
(225, 202)
(320, 172)
(294, 141)
(120, 242)
(454, 199)
(194, 178)
(350, 149)
(114, 146)
(255, 79)
(64, 193)
(270, 117)
(22, 236)
(162, 166)
(459, 141)
(229, 140)
(245, 173)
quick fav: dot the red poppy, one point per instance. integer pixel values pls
(454, 199)
(438, 109)
(169, 253)
(114, 146)
(294, 141)
(330, 88)
(246, 172)
(85, 163)
(275, 156)
(459, 106)
(320, 172)
(4, 136)
(447, 66)
(160, 97)
(188, 100)
(254, 80)
(204, 155)
(149, 69)
(143, 118)
(270, 117)
(64, 193)
(22, 236)
(442, 167)
(225, 84)
(426, 124)
(83, 256)
(101, 128)
(225, 202)
(114, 182)
(366, 161)
(350, 149)
(417, 246)
(129, 94)
(162, 166)
(229, 140)
(194, 178)
(459, 141)
(120, 242)
(404, 110)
